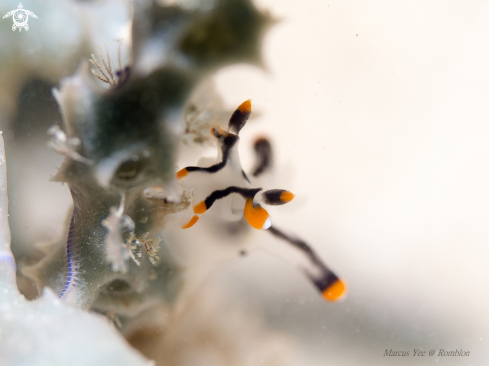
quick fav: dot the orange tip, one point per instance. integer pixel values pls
(217, 131)
(200, 208)
(192, 222)
(336, 291)
(286, 196)
(182, 173)
(257, 217)
(245, 107)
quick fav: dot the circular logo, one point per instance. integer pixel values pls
(20, 17)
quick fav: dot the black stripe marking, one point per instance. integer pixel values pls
(227, 143)
(263, 151)
(216, 195)
(272, 197)
(327, 277)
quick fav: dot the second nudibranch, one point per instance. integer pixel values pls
(225, 183)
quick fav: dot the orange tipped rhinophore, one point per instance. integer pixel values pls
(336, 291)
(286, 196)
(240, 117)
(182, 173)
(257, 216)
(200, 208)
(277, 197)
(191, 223)
(245, 107)
(307, 260)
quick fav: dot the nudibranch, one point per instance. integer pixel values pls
(227, 182)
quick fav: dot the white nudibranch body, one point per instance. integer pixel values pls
(226, 186)
(225, 183)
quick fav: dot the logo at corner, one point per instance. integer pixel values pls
(20, 17)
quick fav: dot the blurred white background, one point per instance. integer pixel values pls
(379, 118)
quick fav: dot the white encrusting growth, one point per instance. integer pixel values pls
(176, 209)
(118, 249)
(66, 146)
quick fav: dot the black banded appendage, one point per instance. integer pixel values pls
(263, 152)
(275, 197)
(240, 117)
(331, 287)
(325, 282)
